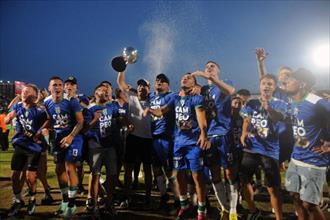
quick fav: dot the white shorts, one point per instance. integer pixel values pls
(99, 155)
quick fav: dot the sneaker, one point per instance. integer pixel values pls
(47, 200)
(183, 214)
(254, 216)
(16, 206)
(233, 216)
(124, 204)
(89, 205)
(69, 212)
(62, 208)
(31, 206)
(224, 215)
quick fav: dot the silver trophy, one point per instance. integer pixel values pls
(129, 56)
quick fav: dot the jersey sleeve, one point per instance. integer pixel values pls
(323, 112)
(169, 100)
(75, 106)
(198, 101)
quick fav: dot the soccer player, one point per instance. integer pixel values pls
(190, 139)
(71, 88)
(217, 95)
(103, 136)
(260, 137)
(310, 157)
(162, 137)
(66, 118)
(28, 145)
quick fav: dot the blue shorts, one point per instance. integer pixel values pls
(188, 157)
(222, 151)
(72, 154)
(162, 154)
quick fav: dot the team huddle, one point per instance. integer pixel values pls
(185, 139)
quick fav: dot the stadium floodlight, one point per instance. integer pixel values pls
(321, 55)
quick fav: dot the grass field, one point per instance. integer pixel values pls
(138, 210)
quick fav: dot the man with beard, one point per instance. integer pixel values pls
(66, 118)
(310, 157)
(190, 139)
(28, 145)
(139, 141)
(260, 139)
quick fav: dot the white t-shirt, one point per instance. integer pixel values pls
(142, 125)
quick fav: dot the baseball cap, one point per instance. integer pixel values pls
(71, 79)
(163, 78)
(304, 75)
(143, 82)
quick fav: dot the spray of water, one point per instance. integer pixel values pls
(159, 48)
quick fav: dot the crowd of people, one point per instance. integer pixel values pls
(183, 139)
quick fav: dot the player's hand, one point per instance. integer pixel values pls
(146, 112)
(323, 149)
(261, 54)
(130, 128)
(243, 138)
(203, 142)
(66, 141)
(97, 115)
(37, 137)
(202, 74)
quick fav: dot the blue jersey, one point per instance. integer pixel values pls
(218, 110)
(186, 129)
(311, 118)
(28, 122)
(162, 125)
(83, 98)
(106, 129)
(62, 115)
(264, 138)
(122, 110)
(281, 94)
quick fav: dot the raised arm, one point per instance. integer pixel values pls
(123, 86)
(224, 87)
(261, 56)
